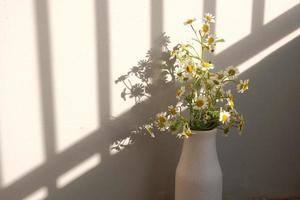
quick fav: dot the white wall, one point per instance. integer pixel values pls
(60, 109)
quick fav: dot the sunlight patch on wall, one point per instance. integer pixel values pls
(20, 104)
(233, 21)
(130, 41)
(274, 9)
(74, 69)
(78, 170)
(261, 55)
(39, 194)
(175, 13)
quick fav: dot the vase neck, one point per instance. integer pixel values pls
(200, 141)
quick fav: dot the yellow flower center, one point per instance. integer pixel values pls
(211, 40)
(206, 64)
(199, 103)
(209, 18)
(225, 118)
(245, 87)
(173, 111)
(205, 28)
(189, 68)
(162, 119)
(231, 72)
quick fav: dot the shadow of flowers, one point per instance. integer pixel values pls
(142, 80)
(146, 81)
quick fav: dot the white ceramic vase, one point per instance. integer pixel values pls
(198, 173)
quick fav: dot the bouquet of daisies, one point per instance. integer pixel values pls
(203, 103)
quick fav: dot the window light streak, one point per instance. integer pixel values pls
(78, 170)
(73, 40)
(20, 105)
(273, 9)
(258, 57)
(39, 194)
(233, 26)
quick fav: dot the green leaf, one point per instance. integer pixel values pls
(220, 40)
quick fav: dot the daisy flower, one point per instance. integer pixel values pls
(209, 18)
(200, 103)
(161, 117)
(231, 71)
(211, 40)
(162, 121)
(205, 28)
(189, 21)
(186, 132)
(211, 43)
(207, 66)
(224, 116)
(189, 68)
(242, 86)
(172, 110)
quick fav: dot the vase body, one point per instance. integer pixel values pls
(198, 173)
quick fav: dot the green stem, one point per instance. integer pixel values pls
(195, 31)
(195, 52)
